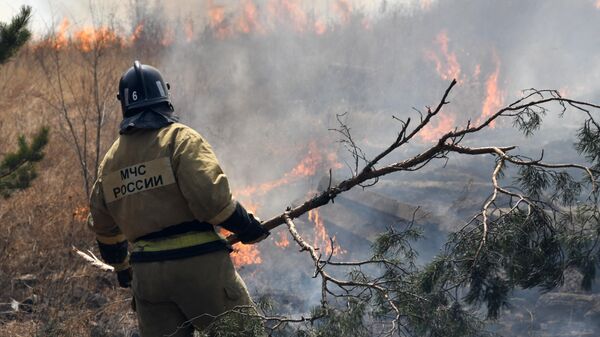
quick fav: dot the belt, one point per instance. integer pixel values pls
(184, 227)
(175, 242)
(160, 247)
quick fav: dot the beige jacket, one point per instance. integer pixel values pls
(153, 179)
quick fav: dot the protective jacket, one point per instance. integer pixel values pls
(164, 191)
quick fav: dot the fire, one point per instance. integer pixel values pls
(295, 13)
(283, 241)
(85, 39)
(248, 22)
(598, 4)
(81, 213)
(168, 37)
(188, 29)
(450, 68)
(229, 19)
(89, 38)
(433, 132)
(308, 166)
(343, 9)
(61, 39)
(321, 238)
(494, 97)
(477, 71)
(243, 254)
(425, 4)
(216, 16)
(137, 32)
(320, 27)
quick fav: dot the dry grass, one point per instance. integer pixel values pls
(39, 226)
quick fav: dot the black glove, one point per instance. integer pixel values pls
(247, 228)
(254, 233)
(124, 277)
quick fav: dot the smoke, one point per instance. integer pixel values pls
(262, 97)
(263, 82)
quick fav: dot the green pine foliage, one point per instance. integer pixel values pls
(17, 168)
(14, 34)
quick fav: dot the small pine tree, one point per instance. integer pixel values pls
(16, 168)
(15, 34)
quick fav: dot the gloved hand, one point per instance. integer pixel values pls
(245, 226)
(124, 277)
(254, 233)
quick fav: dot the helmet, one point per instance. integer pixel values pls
(142, 86)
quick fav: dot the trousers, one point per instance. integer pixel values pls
(174, 297)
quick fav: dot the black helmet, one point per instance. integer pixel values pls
(142, 86)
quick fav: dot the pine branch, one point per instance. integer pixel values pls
(16, 169)
(15, 34)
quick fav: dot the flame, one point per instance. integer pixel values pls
(89, 38)
(283, 241)
(61, 39)
(477, 71)
(433, 132)
(494, 97)
(137, 32)
(248, 22)
(598, 4)
(425, 4)
(295, 13)
(243, 254)
(450, 68)
(216, 16)
(85, 39)
(168, 37)
(308, 166)
(320, 27)
(227, 20)
(343, 9)
(188, 30)
(81, 213)
(321, 238)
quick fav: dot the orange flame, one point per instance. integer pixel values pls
(81, 213)
(188, 30)
(168, 37)
(477, 71)
(296, 14)
(283, 241)
(89, 38)
(137, 32)
(61, 39)
(243, 254)
(494, 97)
(216, 15)
(248, 21)
(425, 4)
(450, 69)
(307, 167)
(433, 131)
(343, 9)
(320, 27)
(321, 238)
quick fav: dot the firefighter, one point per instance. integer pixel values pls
(160, 188)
